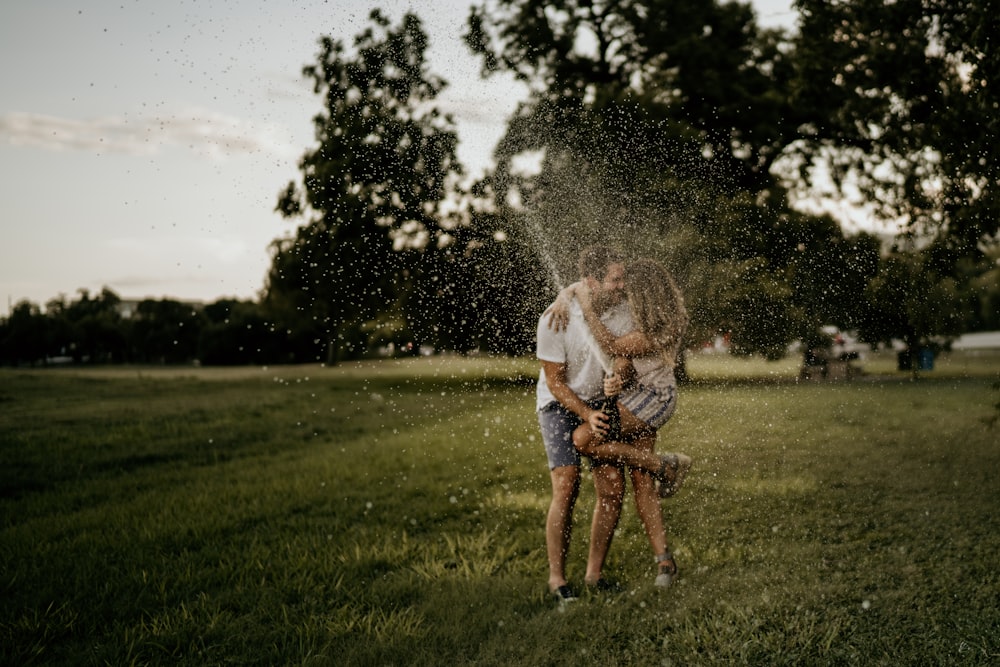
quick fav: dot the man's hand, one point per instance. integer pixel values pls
(598, 422)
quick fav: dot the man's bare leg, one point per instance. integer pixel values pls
(609, 483)
(559, 522)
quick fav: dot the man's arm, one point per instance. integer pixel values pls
(555, 378)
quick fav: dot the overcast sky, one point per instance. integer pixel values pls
(143, 143)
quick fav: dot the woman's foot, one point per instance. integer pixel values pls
(673, 469)
(666, 570)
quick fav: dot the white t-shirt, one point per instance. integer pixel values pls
(572, 346)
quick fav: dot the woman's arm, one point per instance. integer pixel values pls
(633, 344)
(558, 312)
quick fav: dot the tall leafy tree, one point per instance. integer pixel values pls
(658, 124)
(905, 107)
(371, 190)
(906, 117)
(700, 69)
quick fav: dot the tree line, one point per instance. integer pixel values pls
(677, 129)
(102, 329)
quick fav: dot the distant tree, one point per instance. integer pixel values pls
(62, 337)
(510, 284)
(912, 301)
(985, 291)
(23, 335)
(238, 332)
(371, 191)
(165, 331)
(96, 327)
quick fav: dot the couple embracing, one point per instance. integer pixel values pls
(617, 331)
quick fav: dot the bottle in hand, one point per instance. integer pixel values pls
(610, 408)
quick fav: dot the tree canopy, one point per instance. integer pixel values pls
(658, 124)
(371, 190)
(903, 107)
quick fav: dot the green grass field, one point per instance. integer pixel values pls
(391, 513)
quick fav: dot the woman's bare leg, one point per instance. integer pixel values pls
(593, 445)
(647, 504)
(647, 500)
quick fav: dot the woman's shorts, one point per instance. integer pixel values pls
(650, 405)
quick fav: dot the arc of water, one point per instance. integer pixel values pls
(535, 230)
(599, 352)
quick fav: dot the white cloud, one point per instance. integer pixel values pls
(206, 133)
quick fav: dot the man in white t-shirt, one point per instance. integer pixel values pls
(569, 391)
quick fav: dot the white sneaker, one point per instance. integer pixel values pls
(680, 464)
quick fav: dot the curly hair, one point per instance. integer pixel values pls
(657, 305)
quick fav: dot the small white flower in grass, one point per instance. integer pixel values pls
(866, 605)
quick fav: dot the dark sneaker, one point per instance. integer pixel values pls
(564, 594)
